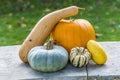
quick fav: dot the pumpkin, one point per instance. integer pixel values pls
(97, 52)
(48, 58)
(72, 33)
(79, 56)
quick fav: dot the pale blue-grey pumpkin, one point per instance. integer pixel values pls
(49, 60)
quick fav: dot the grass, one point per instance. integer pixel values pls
(103, 15)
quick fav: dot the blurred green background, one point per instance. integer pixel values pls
(18, 17)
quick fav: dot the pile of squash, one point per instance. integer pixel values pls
(70, 40)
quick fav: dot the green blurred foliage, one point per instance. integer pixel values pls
(18, 17)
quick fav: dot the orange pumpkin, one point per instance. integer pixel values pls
(72, 33)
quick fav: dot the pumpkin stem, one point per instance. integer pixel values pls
(49, 45)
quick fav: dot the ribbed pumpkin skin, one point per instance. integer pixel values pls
(44, 60)
(74, 33)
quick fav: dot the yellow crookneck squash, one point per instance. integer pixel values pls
(72, 33)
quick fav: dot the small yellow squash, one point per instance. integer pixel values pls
(98, 54)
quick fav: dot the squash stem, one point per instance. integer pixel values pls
(49, 45)
(81, 8)
(81, 52)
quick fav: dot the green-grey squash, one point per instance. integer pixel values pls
(48, 58)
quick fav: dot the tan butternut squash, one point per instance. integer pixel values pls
(43, 28)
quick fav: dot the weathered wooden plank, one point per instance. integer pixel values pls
(12, 68)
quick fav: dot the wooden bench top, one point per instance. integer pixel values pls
(12, 68)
